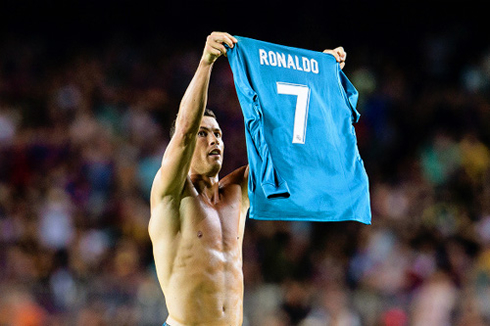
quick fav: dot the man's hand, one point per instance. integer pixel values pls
(215, 46)
(339, 54)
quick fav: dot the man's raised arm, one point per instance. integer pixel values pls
(176, 161)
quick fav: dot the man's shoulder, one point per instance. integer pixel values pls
(238, 176)
(157, 197)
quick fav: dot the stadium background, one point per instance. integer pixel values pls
(87, 94)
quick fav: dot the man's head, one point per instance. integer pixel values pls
(208, 154)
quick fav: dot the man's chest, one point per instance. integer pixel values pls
(214, 224)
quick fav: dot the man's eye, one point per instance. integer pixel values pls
(217, 134)
(201, 134)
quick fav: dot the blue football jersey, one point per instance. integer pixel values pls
(299, 109)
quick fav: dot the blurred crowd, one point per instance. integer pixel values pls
(82, 133)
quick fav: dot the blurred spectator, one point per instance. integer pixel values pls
(9, 121)
(440, 159)
(333, 309)
(56, 230)
(18, 307)
(435, 302)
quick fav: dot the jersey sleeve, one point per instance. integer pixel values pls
(350, 93)
(272, 183)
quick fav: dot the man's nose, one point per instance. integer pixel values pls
(214, 140)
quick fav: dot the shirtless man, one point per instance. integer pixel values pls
(197, 220)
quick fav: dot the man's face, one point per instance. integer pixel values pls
(208, 155)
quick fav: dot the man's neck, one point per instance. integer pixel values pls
(207, 186)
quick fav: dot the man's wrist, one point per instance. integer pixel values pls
(206, 63)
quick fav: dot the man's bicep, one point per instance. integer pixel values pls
(174, 169)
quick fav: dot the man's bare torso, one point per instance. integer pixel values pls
(197, 247)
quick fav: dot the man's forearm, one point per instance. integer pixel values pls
(194, 101)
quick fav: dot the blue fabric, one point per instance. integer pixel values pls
(299, 109)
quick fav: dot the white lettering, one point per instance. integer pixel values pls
(297, 63)
(281, 60)
(278, 59)
(263, 57)
(314, 66)
(272, 58)
(291, 62)
(306, 64)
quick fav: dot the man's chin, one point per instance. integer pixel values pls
(214, 168)
(213, 160)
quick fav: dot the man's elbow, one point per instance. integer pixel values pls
(152, 230)
(184, 136)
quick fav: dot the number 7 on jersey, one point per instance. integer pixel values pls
(301, 113)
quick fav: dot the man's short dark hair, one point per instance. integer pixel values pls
(207, 113)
